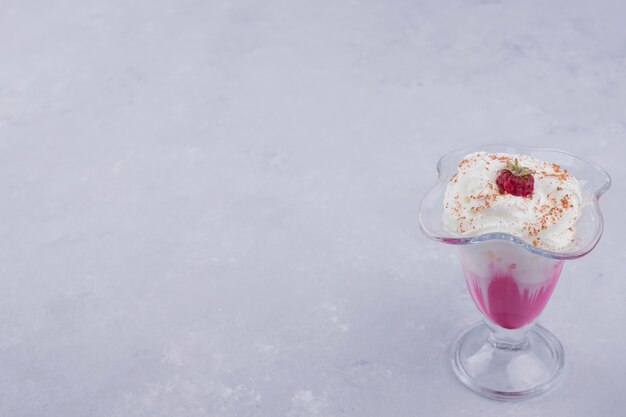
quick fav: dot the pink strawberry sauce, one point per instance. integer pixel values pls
(507, 302)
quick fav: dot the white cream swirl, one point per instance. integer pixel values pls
(473, 205)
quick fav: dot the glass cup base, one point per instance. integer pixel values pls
(508, 372)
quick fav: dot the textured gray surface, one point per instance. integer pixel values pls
(210, 208)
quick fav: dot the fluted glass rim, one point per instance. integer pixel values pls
(570, 253)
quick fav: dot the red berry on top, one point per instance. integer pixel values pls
(516, 180)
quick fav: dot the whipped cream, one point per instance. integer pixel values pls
(473, 204)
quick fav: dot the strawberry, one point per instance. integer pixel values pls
(516, 180)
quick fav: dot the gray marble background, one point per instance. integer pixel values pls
(210, 207)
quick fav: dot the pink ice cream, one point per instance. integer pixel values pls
(509, 284)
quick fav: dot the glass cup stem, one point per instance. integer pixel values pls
(509, 339)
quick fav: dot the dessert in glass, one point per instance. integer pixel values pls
(515, 214)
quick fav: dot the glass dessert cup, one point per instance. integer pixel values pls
(509, 356)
